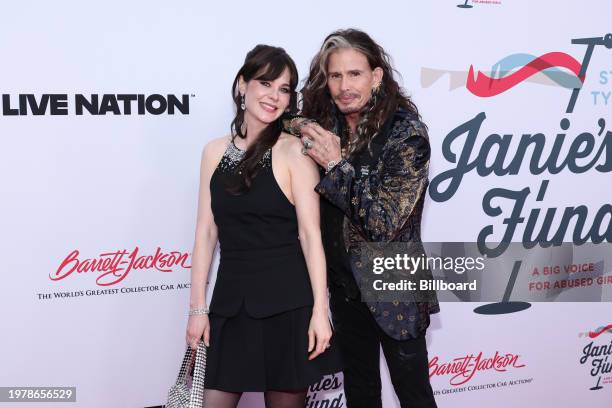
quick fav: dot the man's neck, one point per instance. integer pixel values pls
(352, 119)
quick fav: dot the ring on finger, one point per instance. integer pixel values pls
(307, 143)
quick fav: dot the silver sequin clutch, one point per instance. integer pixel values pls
(193, 369)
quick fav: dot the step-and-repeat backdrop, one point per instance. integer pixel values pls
(106, 108)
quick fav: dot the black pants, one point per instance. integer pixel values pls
(359, 339)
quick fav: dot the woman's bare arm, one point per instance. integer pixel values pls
(304, 176)
(205, 235)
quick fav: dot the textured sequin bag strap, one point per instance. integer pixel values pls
(199, 371)
(187, 365)
(193, 368)
(179, 394)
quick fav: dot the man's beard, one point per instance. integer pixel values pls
(350, 109)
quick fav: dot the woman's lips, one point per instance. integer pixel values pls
(268, 107)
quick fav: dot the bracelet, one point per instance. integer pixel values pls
(198, 312)
(330, 166)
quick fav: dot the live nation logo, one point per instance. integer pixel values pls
(93, 104)
(113, 267)
(464, 369)
(596, 355)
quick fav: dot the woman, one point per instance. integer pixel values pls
(268, 328)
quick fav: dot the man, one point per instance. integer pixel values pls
(369, 139)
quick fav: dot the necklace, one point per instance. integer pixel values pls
(350, 142)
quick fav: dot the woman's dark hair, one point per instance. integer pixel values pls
(317, 101)
(263, 63)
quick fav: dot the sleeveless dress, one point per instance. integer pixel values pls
(262, 301)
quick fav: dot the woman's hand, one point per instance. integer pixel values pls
(198, 326)
(319, 333)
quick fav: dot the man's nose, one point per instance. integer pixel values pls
(344, 84)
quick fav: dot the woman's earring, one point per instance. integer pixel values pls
(242, 105)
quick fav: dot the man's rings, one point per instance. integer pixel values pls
(307, 143)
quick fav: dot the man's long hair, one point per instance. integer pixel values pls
(319, 105)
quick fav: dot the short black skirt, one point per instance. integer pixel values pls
(249, 354)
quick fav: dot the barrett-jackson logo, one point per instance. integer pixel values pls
(463, 369)
(113, 267)
(595, 355)
(94, 104)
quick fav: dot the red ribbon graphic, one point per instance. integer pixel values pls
(597, 333)
(485, 86)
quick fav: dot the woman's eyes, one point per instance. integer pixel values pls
(268, 84)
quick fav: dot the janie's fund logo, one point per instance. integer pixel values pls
(597, 356)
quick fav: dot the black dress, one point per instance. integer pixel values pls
(262, 302)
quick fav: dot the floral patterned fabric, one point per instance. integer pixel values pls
(384, 203)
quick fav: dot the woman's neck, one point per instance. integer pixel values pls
(253, 131)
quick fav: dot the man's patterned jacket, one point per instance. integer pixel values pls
(383, 203)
